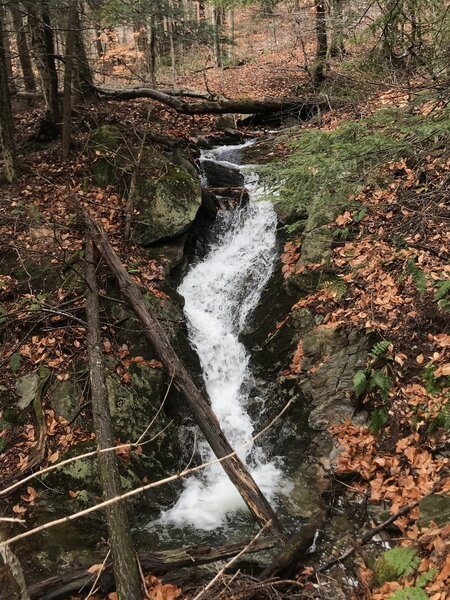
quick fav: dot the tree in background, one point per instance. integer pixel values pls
(7, 144)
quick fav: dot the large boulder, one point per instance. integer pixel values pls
(331, 357)
(220, 175)
(167, 201)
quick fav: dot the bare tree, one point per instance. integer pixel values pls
(7, 144)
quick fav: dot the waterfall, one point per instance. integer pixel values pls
(220, 291)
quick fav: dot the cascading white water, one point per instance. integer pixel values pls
(220, 292)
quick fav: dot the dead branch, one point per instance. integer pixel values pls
(221, 106)
(144, 488)
(157, 563)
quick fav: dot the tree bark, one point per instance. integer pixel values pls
(43, 46)
(206, 419)
(126, 572)
(321, 43)
(337, 29)
(23, 51)
(82, 69)
(68, 79)
(7, 144)
(8, 53)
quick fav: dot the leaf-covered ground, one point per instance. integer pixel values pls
(389, 276)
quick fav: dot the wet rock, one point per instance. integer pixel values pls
(304, 499)
(336, 356)
(219, 175)
(210, 205)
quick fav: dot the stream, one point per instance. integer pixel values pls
(221, 289)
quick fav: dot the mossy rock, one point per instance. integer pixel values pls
(107, 143)
(167, 203)
(65, 398)
(434, 509)
(133, 406)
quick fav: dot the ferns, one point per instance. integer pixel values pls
(360, 383)
(336, 285)
(375, 379)
(418, 276)
(442, 294)
(396, 563)
(379, 349)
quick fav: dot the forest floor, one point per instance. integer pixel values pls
(398, 293)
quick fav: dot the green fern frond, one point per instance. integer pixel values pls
(443, 290)
(409, 593)
(380, 381)
(418, 276)
(360, 383)
(396, 563)
(380, 349)
(335, 284)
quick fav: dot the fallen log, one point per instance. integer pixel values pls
(286, 561)
(160, 563)
(222, 105)
(202, 412)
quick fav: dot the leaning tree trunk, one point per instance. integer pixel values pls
(126, 572)
(321, 41)
(7, 145)
(23, 51)
(203, 414)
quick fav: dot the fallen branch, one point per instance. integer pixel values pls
(222, 105)
(371, 533)
(158, 563)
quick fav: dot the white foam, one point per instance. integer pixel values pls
(220, 293)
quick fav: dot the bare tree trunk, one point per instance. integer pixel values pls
(43, 46)
(217, 46)
(68, 78)
(7, 145)
(337, 29)
(152, 50)
(232, 32)
(126, 572)
(23, 51)
(321, 37)
(206, 419)
(8, 53)
(82, 69)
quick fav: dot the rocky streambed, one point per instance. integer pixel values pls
(295, 457)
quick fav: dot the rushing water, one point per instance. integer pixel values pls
(221, 290)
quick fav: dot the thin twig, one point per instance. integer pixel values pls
(92, 590)
(232, 561)
(143, 488)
